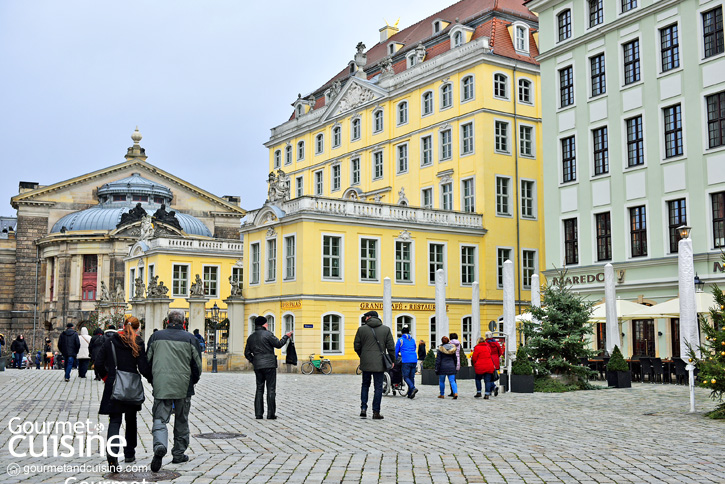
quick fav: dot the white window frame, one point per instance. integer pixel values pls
(446, 196)
(475, 264)
(506, 138)
(519, 90)
(341, 331)
(442, 151)
(319, 143)
(429, 151)
(319, 183)
(411, 261)
(336, 136)
(472, 181)
(532, 141)
(270, 265)
(499, 268)
(457, 39)
(286, 329)
(401, 113)
(431, 338)
(355, 125)
(375, 155)
(411, 325)
(354, 171)
(341, 257)
(252, 273)
(286, 259)
(506, 86)
(471, 343)
(335, 179)
(277, 159)
(508, 196)
(299, 185)
(472, 86)
(218, 268)
(471, 139)
(423, 192)
(401, 159)
(534, 206)
(443, 96)
(288, 154)
(422, 103)
(536, 265)
(378, 115)
(188, 279)
(445, 258)
(377, 240)
(525, 48)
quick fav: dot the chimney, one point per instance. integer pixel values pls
(233, 199)
(27, 186)
(388, 31)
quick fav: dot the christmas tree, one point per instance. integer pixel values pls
(712, 364)
(559, 341)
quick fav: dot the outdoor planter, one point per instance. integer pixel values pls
(466, 373)
(3, 361)
(619, 379)
(429, 377)
(522, 383)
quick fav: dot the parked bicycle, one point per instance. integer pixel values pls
(323, 365)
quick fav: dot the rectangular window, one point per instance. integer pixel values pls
(598, 75)
(677, 216)
(670, 48)
(716, 119)
(571, 241)
(377, 165)
(601, 150)
(403, 261)
(427, 197)
(237, 274)
(528, 198)
(331, 333)
(718, 219)
(435, 261)
(643, 337)
(502, 137)
(631, 62)
(564, 20)
(300, 150)
(254, 265)
(355, 171)
(402, 158)
(139, 198)
(673, 131)
(604, 236)
(336, 136)
(468, 265)
(596, 12)
(368, 259)
(712, 32)
(568, 159)
(335, 185)
(271, 260)
(288, 155)
(290, 254)
(526, 140)
(447, 196)
(355, 129)
(469, 204)
(298, 186)
(528, 267)
(319, 144)
(119, 198)
(502, 255)
(331, 257)
(467, 341)
(89, 281)
(319, 188)
(502, 196)
(566, 86)
(467, 139)
(628, 5)
(402, 113)
(446, 144)
(377, 121)
(180, 280)
(638, 231)
(426, 150)
(211, 281)
(635, 142)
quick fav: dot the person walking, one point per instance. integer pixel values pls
(371, 341)
(38, 357)
(446, 366)
(421, 355)
(406, 351)
(483, 367)
(47, 355)
(94, 347)
(202, 343)
(68, 344)
(84, 354)
(453, 338)
(18, 347)
(122, 351)
(496, 352)
(175, 361)
(260, 353)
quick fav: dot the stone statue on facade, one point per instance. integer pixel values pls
(402, 199)
(420, 53)
(311, 102)
(120, 294)
(138, 288)
(335, 89)
(279, 189)
(147, 228)
(168, 218)
(152, 290)
(197, 287)
(386, 67)
(236, 287)
(162, 290)
(133, 215)
(104, 292)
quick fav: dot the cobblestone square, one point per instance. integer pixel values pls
(643, 434)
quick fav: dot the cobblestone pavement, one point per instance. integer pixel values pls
(643, 434)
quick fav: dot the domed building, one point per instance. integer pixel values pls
(87, 238)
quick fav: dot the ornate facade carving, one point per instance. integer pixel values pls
(354, 97)
(279, 187)
(271, 233)
(147, 228)
(104, 292)
(402, 199)
(138, 288)
(236, 287)
(405, 235)
(420, 53)
(197, 287)
(386, 67)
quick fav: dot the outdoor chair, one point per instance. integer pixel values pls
(658, 370)
(646, 368)
(602, 367)
(680, 371)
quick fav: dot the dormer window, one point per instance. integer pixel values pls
(412, 60)
(391, 49)
(459, 35)
(436, 26)
(300, 110)
(457, 39)
(521, 38)
(352, 68)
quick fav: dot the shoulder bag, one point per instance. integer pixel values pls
(127, 387)
(387, 362)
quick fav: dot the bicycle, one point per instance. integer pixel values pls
(323, 365)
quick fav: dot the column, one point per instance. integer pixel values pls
(197, 314)
(235, 313)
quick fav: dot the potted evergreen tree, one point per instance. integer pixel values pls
(618, 373)
(522, 373)
(428, 373)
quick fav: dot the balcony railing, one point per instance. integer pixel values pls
(202, 245)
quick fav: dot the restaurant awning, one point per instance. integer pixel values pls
(671, 309)
(624, 309)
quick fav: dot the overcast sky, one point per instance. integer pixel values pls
(204, 80)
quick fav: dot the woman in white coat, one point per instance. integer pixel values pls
(84, 355)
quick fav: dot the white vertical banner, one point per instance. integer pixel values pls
(475, 314)
(388, 305)
(509, 316)
(689, 331)
(610, 301)
(441, 315)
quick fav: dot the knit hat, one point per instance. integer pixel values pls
(260, 321)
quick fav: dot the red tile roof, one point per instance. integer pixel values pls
(464, 11)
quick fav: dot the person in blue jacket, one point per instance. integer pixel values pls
(407, 350)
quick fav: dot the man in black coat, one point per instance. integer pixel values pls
(19, 347)
(68, 344)
(94, 347)
(260, 352)
(371, 340)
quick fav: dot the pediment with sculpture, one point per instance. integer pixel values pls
(354, 94)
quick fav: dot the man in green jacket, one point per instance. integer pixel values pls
(371, 340)
(174, 356)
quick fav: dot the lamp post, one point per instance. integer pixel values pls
(689, 331)
(215, 323)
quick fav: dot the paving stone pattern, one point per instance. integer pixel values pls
(640, 435)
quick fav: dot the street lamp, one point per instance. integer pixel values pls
(699, 284)
(215, 323)
(684, 231)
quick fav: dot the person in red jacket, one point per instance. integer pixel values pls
(496, 353)
(483, 366)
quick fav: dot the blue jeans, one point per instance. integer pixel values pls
(69, 366)
(451, 380)
(409, 375)
(18, 360)
(488, 379)
(377, 377)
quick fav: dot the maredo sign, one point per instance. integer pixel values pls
(585, 279)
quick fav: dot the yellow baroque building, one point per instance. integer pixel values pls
(423, 153)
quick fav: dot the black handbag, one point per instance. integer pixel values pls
(387, 361)
(127, 387)
(495, 375)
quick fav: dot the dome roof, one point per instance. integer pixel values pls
(106, 218)
(136, 185)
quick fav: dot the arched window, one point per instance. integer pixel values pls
(467, 89)
(403, 113)
(288, 324)
(467, 333)
(457, 39)
(277, 159)
(524, 91)
(378, 121)
(427, 103)
(521, 41)
(401, 321)
(332, 333)
(446, 96)
(499, 86)
(319, 143)
(301, 150)
(336, 136)
(270, 323)
(300, 110)
(288, 155)
(355, 129)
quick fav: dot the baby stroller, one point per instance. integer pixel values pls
(393, 381)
